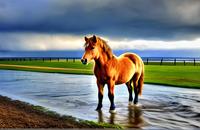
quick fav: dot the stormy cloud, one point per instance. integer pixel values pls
(132, 19)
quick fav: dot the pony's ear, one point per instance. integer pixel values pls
(86, 39)
(94, 39)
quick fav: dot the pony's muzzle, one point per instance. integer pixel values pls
(84, 61)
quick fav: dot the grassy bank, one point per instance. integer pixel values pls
(17, 114)
(181, 76)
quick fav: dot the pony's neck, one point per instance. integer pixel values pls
(103, 58)
(105, 53)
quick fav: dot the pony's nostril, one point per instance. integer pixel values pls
(84, 61)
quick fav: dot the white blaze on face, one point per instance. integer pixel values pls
(87, 44)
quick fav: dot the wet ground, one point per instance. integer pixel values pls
(160, 107)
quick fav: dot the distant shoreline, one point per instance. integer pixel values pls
(79, 53)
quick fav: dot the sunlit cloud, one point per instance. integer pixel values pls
(35, 41)
(41, 41)
(155, 45)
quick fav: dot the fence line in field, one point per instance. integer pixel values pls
(147, 60)
(171, 60)
(38, 58)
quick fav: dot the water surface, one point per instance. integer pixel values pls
(161, 107)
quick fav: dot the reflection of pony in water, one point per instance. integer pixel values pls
(134, 117)
(128, 68)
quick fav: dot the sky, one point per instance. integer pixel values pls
(125, 24)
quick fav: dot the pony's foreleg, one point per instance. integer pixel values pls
(111, 85)
(100, 95)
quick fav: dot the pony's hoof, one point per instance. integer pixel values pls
(130, 103)
(112, 111)
(98, 109)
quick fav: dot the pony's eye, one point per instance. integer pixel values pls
(92, 48)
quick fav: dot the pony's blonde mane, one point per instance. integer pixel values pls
(105, 47)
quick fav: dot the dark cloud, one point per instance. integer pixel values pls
(146, 19)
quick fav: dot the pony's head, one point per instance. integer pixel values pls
(91, 50)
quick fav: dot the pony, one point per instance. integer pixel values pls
(128, 68)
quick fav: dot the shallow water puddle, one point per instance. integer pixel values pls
(161, 107)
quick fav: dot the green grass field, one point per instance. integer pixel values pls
(180, 76)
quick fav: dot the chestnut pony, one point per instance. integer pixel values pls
(128, 68)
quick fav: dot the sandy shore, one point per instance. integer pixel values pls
(17, 114)
(42, 67)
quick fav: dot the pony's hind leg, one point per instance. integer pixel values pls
(136, 87)
(136, 95)
(130, 91)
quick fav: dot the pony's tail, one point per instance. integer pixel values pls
(141, 82)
